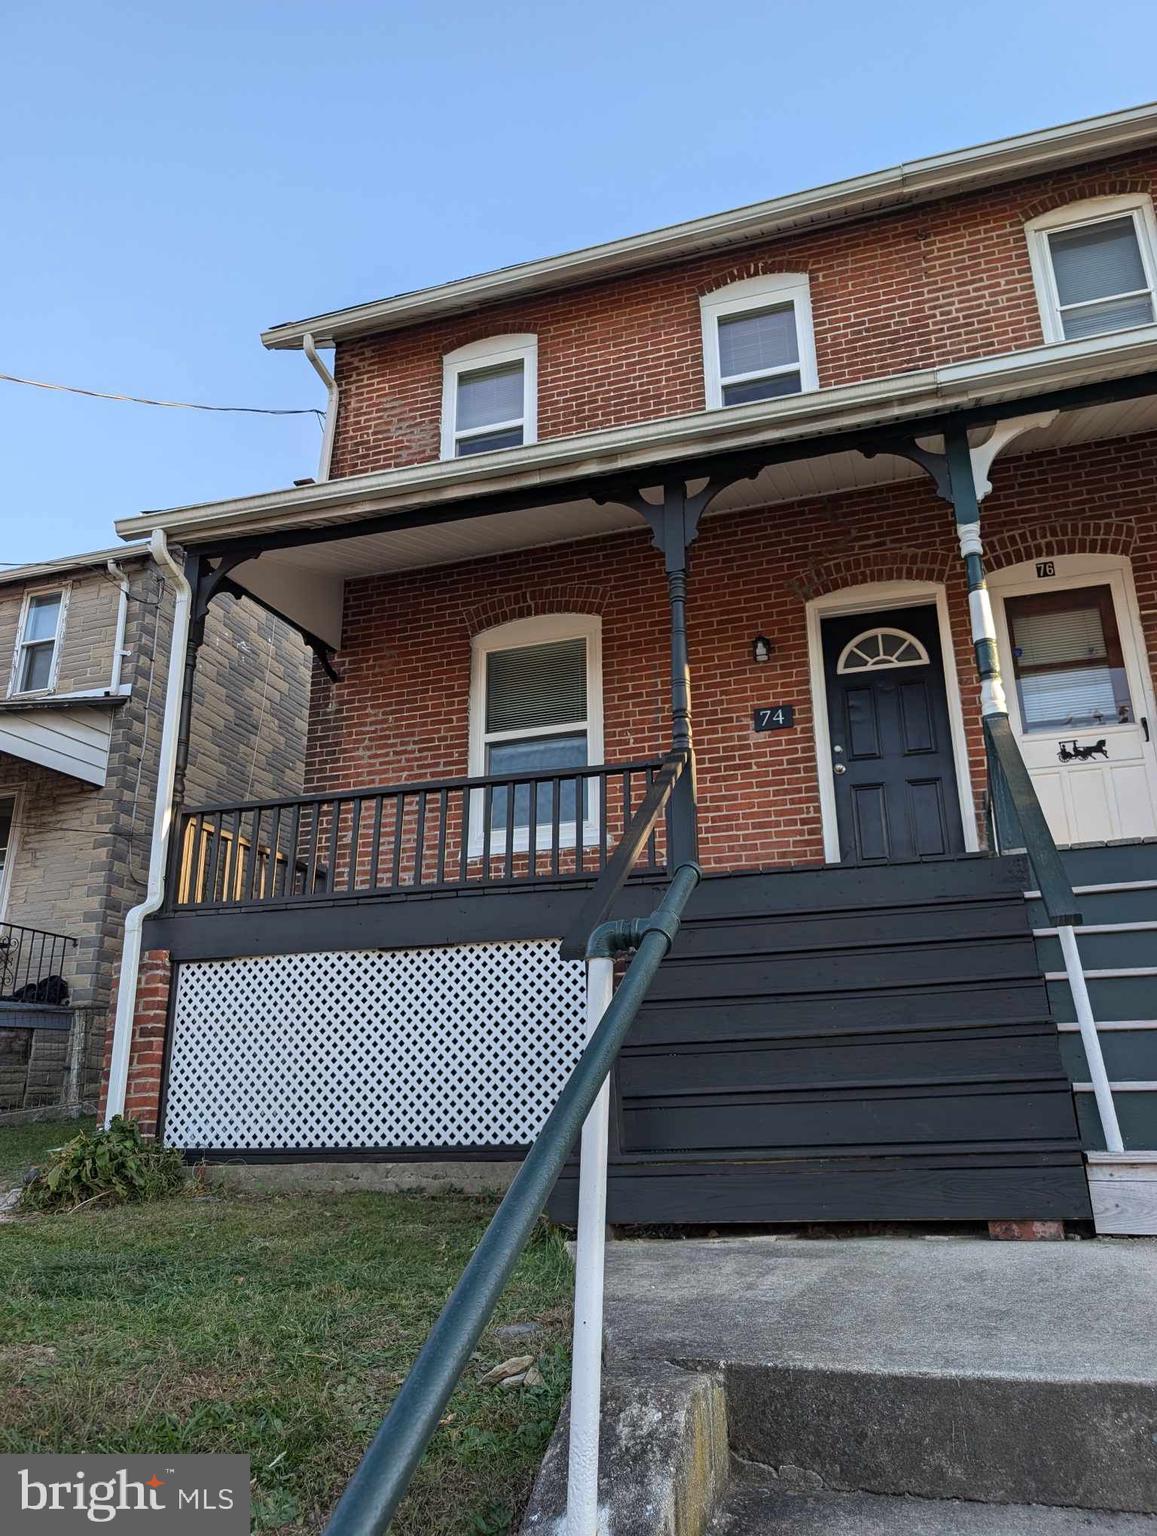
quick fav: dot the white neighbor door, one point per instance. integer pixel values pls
(1080, 697)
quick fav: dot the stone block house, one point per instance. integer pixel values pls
(84, 647)
(818, 534)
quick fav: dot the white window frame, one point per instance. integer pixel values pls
(1093, 210)
(755, 293)
(544, 629)
(493, 352)
(16, 795)
(14, 688)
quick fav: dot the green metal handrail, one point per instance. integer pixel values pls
(1015, 805)
(376, 1489)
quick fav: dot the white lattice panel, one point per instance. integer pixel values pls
(466, 1046)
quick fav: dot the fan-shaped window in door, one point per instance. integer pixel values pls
(878, 648)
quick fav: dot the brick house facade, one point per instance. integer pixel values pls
(942, 315)
(76, 851)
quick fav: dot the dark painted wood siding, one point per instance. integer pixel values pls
(838, 1045)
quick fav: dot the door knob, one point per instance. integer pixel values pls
(839, 767)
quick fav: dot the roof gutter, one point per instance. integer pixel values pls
(914, 181)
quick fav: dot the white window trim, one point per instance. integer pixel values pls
(1093, 210)
(491, 353)
(754, 293)
(542, 630)
(16, 795)
(14, 688)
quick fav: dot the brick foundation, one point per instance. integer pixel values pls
(146, 1059)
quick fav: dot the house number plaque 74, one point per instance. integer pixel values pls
(777, 717)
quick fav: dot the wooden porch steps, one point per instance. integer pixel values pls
(869, 1044)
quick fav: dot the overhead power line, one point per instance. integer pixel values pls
(172, 405)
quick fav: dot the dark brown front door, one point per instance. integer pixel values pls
(892, 761)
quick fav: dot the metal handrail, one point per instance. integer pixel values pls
(598, 902)
(1014, 800)
(377, 1487)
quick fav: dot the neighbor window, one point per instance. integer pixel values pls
(1066, 657)
(536, 711)
(757, 340)
(489, 394)
(36, 649)
(1094, 273)
(7, 843)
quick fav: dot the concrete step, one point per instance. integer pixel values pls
(952, 1368)
(757, 1504)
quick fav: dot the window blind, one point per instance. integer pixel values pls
(489, 395)
(536, 685)
(1073, 634)
(749, 343)
(1096, 261)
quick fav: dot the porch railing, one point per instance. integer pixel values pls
(32, 963)
(439, 835)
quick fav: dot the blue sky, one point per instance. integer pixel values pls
(172, 179)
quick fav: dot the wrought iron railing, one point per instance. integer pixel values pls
(439, 835)
(32, 964)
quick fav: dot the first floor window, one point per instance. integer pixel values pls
(488, 396)
(1067, 659)
(757, 340)
(537, 704)
(1095, 275)
(36, 652)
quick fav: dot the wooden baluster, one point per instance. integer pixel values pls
(351, 884)
(396, 857)
(420, 839)
(376, 842)
(555, 813)
(443, 811)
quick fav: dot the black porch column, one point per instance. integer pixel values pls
(675, 524)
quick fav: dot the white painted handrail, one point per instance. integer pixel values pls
(1091, 1040)
(582, 1493)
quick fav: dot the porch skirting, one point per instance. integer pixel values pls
(461, 1047)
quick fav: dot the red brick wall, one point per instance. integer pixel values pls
(143, 1094)
(941, 283)
(401, 712)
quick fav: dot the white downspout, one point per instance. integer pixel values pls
(331, 391)
(162, 814)
(118, 644)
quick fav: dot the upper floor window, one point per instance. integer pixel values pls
(37, 642)
(490, 396)
(1093, 264)
(757, 340)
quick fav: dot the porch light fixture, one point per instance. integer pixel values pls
(761, 649)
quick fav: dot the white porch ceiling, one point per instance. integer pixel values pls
(306, 582)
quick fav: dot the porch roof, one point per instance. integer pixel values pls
(312, 538)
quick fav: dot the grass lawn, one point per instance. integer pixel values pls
(278, 1327)
(24, 1146)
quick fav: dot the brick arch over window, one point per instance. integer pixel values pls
(1103, 186)
(853, 570)
(566, 597)
(740, 272)
(1101, 536)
